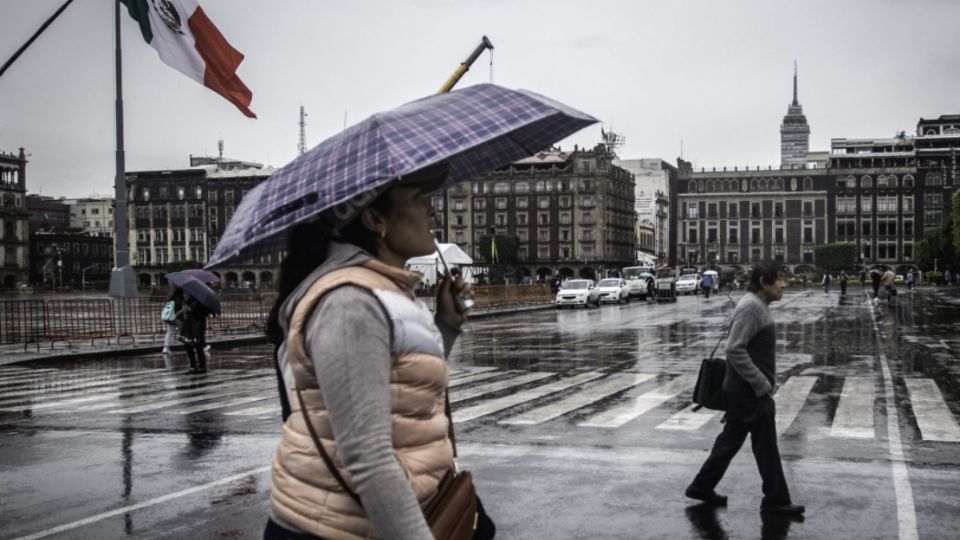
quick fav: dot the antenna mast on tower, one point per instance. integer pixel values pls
(302, 145)
(220, 153)
(612, 139)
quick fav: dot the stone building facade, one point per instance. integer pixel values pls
(179, 215)
(571, 212)
(93, 215)
(73, 259)
(47, 213)
(14, 221)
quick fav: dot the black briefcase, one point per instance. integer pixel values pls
(708, 392)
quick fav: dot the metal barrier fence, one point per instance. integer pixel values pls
(52, 320)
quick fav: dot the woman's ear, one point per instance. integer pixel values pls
(372, 221)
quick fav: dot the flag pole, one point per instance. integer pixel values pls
(33, 38)
(122, 280)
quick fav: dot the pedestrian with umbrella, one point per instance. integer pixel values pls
(368, 438)
(200, 302)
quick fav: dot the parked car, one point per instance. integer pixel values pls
(689, 283)
(614, 290)
(578, 292)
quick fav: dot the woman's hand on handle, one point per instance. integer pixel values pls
(446, 308)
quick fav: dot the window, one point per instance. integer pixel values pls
(543, 218)
(778, 254)
(887, 205)
(693, 210)
(199, 193)
(565, 202)
(564, 235)
(501, 219)
(808, 256)
(521, 202)
(755, 235)
(565, 218)
(932, 201)
(436, 203)
(887, 250)
(458, 235)
(808, 232)
(543, 202)
(778, 233)
(846, 228)
(778, 209)
(522, 187)
(846, 205)
(522, 219)
(808, 208)
(523, 252)
(181, 192)
(692, 235)
(934, 179)
(931, 219)
(866, 182)
(146, 194)
(587, 218)
(458, 205)
(732, 232)
(907, 183)
(755, 210)
(458, 220)
(712, 235)
(732, 257)
(522, 235)
(500, 203)
(887, 227)
(907, 251)
(866, 227)
(586, 235)
(479, 204)
(480, 220)
(866, 204)
(212, 197)
(732, 210)
(908, 228)
(501, 187)
(908, 204)
(711, 210)
(543, 251)
(541, 186)
(228, 196)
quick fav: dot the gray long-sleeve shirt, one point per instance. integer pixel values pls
(348, 339)
(751, 348)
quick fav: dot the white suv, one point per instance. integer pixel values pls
(614, 290)
(689, 283)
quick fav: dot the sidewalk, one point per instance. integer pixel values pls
(15, 353)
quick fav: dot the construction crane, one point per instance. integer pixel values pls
(465, 66)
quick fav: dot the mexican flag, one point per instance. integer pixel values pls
(187, 41)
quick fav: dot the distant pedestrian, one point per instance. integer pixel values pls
(875, 282)
(863, 278)
(826, 282)
(843, 283)
(731, 285)
(749, 385)
(707, 284)
(172, 317)
(948, 277)
(194, 333)
(910, 280)
(888, 278)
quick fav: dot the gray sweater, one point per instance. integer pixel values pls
(751, 348)
(349, 323)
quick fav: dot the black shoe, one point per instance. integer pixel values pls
(709, 497)
(787, 509)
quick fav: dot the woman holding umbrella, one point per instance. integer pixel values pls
(347, 318)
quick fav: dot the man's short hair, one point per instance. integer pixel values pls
(763, 273)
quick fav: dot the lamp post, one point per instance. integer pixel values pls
(83, 278)
(60, 268)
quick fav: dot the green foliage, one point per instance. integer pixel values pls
(835, 257)
(937, 250)
(507, 247)
(934, 277)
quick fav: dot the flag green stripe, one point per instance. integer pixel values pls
(140, 12)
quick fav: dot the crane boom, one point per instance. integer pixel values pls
(465, 66)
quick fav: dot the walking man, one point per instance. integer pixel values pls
(887, 279)
(843, 283)
(910, 280)
(826, 282)
(749, 387)
(875, 283)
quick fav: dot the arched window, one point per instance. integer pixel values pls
(882, 181)
(501, 187)
(793, 184)
(754, 185)
(522, 187)
(766, 184)
(692, 186)
(711, 186)
(908, 180)
(778, 184)
(743, 185)
(808, 184)
(866, 181)
(892, 180)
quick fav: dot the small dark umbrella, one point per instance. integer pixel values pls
(197, 290)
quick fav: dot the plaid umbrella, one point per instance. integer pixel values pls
(201, 274)
(475, 130)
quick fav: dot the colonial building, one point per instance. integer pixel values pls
(179, 215)
(70, 259)
(880, 194)
(571, 212)
(93, 214)
(47, 213)
(14, 221)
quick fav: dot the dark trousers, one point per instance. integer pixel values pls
(843, 288)
(196, 353)
(276, 532)
(747, 414)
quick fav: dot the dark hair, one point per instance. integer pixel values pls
(176, 295)
(763, 273)
(307, 246)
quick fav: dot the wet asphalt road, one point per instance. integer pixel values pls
(577, 424)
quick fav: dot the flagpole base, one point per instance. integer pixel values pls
(123, 283)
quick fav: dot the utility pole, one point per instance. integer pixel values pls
(302, 145)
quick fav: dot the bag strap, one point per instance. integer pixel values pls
(329, 462)
(719, 341)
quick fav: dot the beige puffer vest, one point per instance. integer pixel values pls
(304, 493)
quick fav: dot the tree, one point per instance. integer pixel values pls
(506, 248)
(937, 250)
(834, 257)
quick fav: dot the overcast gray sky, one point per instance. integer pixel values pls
(716, 74)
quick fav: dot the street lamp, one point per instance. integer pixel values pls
(60, 268)
(83, 277)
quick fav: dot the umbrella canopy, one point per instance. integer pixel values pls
(710, 273)
(474, 131)
(197, 290)
(201, 274)
(646, 275)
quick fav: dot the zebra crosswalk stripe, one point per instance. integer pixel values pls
(465, 372)
(258, 385)
(618, 416)
(475, 378)
(790, 399)
(505, 402)
(688, 419)
(151, 397)
(609, 386)
(489, 388)
(272, 409)
(221, 404)
(934, 418)
(854, 416)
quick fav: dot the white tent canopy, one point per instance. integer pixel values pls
(428, 264)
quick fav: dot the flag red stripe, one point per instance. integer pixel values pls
(221, 62)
